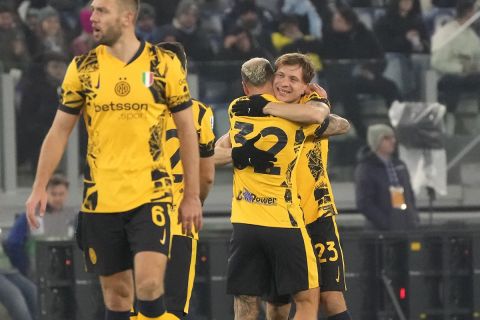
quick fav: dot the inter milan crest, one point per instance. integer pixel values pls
(122, 88)
(147, 79)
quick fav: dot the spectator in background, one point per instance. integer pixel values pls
(458, 61)
(310, 21)
(238, 47)
(50, 34)
(402, 29)
(164, 9)
(290, 38)
(13, 49)
(18, 294)
(30, 27)
(84, 42)
(402, 32)
(16, 243)
(232, 15)
(185, 29)
(147, 28)
(247, 15)
(382, 183)
(345, 37)
(39, 89)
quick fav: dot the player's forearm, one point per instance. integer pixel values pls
(337, 126)
(52, 149)
(207, 176)
(223, 151)
(190, 160)
(306, 114)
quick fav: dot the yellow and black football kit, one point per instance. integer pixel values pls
(266, 215)
(180, 273)
(125, 107)
(319, 209)
(203, 117)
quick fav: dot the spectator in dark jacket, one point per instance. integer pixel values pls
(382, 184)
(147, 29)
(186, 30)
(402, 29)
(402, 32)
(39, 90)
(16, 242)
(246, 14)
(13, 49)
(238, 46)
(346, 37)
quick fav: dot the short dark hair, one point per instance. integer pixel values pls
(302, 60)
(463, 7)
(58, 180)
(178, 49)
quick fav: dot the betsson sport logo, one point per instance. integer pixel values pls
(125, 111)
(250, 197)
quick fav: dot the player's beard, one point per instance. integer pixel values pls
(111, 35)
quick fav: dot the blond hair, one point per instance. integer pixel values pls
(257, 72)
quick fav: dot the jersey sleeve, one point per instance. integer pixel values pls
(315, 130)
(233, 103)
(176, 90)
(72, 98)
(315, 97)
(206, 137)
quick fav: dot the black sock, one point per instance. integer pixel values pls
(117, 315)
(341, 316)
(151, 309)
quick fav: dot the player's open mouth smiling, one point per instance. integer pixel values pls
(283, 91)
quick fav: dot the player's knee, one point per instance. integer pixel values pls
(118, 296)
(307, 300)
(149, 288)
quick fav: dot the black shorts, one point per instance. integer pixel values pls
(267, 261)
(326, 243)
(180, 274)
(111, 240)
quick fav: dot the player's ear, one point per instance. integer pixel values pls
(245, 88)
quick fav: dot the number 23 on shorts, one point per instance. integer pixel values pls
(331, 255)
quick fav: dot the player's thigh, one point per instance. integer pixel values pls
(148, 230)
(293, 259)
(326, 242)
(105, 245)
(248, 269)
(180, 274)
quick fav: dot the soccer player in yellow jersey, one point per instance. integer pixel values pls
(125, 89)
(270, 251)
(180, 272)
(315, 192)
(314, 186)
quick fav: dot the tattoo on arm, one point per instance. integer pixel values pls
(337, 126)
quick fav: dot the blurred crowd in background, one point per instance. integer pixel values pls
(376, 48)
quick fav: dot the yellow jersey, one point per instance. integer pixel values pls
(203, 116)
(268, 198)
(314, 188)
(125, 108)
